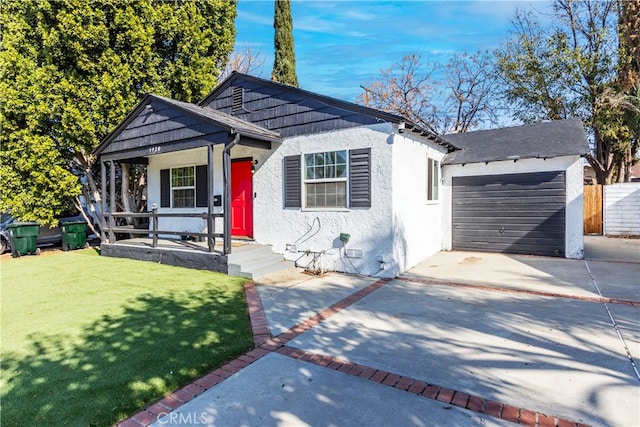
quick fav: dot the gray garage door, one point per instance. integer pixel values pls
(512, 213)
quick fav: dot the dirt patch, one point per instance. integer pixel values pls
(48, 250)
(43, 252)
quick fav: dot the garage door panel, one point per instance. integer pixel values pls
(499, 236)
(482, 222)
(509, 199)
(480, 197)
(501, 191)
(511, 213)
(533, 212)
(513, 179)
(529, 228)
(528, 249)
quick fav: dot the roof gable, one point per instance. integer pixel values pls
(289, 110)
(292, 111)
(540, 140)
(158, 124)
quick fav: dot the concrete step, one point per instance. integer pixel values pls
(256, 262)
(245, 253)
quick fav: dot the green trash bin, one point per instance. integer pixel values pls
(23, 238)
(74, 235)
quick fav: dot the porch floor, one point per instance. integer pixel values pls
(246, 259)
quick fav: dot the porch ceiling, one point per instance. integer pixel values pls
(162, 125)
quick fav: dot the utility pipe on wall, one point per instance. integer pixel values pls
(103, 202)
(210, 225)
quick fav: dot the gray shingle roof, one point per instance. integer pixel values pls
(224, 120)
(540, 140)
(293, 111)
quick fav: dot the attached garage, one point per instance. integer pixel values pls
(516, 190)
(513, 213)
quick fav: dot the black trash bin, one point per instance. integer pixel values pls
(23, 237)
(74, 235)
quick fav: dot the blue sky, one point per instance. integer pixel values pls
(341, 44)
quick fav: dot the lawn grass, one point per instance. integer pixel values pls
(89, 340)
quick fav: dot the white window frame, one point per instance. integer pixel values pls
(433, 180)
(343, 179)
(172, 188)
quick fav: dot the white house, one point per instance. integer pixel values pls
(333, 185)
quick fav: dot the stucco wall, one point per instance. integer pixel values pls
(178, 159)
(417, 222)
(401, 226)
(318, 230)
(193, 158)
(574, 245)
(622, 209)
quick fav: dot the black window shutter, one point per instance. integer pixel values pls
(201, 186)
(165, 188)
(292, 184)
(360, 178)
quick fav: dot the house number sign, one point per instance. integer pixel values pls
(155, 150)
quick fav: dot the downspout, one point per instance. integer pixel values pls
(210, 221)
(226, 173)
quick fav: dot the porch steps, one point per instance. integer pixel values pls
(253, 261)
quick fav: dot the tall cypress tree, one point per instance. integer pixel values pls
(284, 64)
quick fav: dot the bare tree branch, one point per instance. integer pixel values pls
(450, 98)
(246, 61)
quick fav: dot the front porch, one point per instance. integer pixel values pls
(188, 217)
(247, 259)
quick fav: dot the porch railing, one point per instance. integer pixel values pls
(111, 228)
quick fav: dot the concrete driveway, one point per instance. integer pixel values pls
(462, 339)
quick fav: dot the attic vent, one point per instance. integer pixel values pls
(237, 99)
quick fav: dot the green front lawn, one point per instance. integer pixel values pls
(89, 340)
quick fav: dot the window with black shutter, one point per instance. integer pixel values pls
(292, 184)
(201, 186)
(360, 178)
(165, 188)
(327, 178)
(184, 187)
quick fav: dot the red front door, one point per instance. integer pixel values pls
(241, 198)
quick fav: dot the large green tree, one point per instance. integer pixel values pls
(70, 70)
(628, 85)
(284, 64)
(571, 69)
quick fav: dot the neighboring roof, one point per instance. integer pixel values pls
(204, 114)
(540, 140)
(293, 111)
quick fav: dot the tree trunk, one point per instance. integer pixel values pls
(621, 166)
(125, 194)
(628, 164)
(91, 194)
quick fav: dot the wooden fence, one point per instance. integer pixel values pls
(593, 209)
